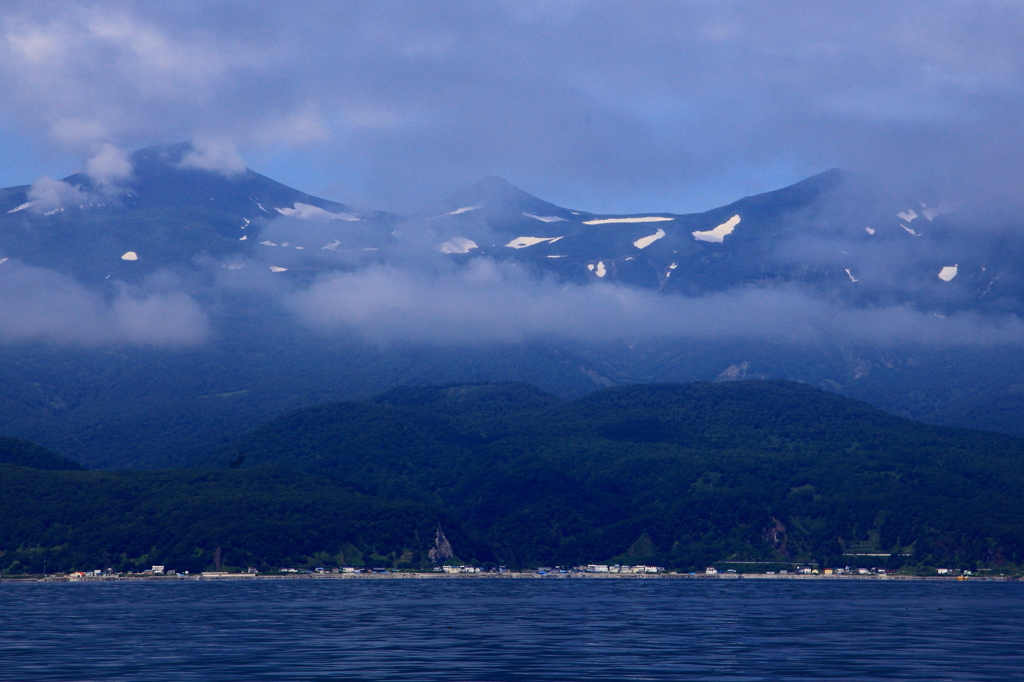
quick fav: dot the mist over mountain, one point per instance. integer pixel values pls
(833, 256)
(208, 279)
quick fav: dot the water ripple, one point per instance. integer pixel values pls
(512, 630)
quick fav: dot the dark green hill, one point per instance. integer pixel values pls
(677, 474)
(267, 518)
(489, 410)
(23, 453)
(681, 475)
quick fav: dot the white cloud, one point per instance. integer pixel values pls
(37, 304)
(215, 156)
(300, 127)
(47, 194)
(108, 167)
(76, 132)
(35, 45)
(488, 302)
(724, 100)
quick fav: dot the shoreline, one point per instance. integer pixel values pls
(245, 577)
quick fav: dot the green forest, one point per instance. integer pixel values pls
(679, 475)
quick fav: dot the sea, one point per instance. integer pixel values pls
(506, 630)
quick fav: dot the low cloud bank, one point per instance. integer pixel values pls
(108, 171)
(489, 302)
(37, 304)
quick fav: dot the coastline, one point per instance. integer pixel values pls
(244, 577)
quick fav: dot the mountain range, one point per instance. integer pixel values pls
(209, 299)
(168, 216)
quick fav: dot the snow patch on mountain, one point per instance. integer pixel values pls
(850, 275)
(544, 218)
(459, 211)
(869, 230)
(27, 204)
(644, 219)
(644, 242)
(907, 215)
(523, 242)
(308, 212)
(948, 273)
(130, 255)
(944, 207)
(458, 245)
(718, 234)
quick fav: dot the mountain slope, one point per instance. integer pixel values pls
(747, 471)
(235, 248)
(194, 520)
(165, 213)
(678, 475)
(23, 453)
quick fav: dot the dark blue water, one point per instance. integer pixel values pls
(513, 630)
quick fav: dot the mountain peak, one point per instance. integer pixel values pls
(162, 154)
(497, 184)
(493, 188)
(497, 197)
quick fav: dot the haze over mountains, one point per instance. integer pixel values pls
(832, 230)
(157, 305)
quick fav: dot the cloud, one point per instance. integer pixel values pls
(37, 304)
(47, 194)
(217, 156)
(76, 133)
(108, 167)
(667, 106)
(486, 302)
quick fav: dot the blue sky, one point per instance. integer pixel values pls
(606, 106)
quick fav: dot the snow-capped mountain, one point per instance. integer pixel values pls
(287, 293)
(165, 215)
(834, 232)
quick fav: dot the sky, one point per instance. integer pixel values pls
(602, 106)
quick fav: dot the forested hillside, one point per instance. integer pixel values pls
(680, 475)
(266, 518)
